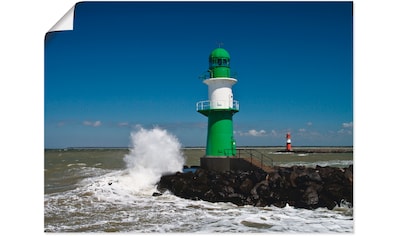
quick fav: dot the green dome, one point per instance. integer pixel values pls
(219, 63)
(219, 53)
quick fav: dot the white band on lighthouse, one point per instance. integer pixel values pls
(220, 93)
(288, 140)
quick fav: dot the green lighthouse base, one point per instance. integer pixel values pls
(220, 141)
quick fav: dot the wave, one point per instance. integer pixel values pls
(332, 163)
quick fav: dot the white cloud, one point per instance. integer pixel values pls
(347, 125)
(346, 128)
(302, 130)
(123, 124)
(88, 123)
(309, 123)
(252, 132)
(92, 123)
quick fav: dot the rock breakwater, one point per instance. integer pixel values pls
(298, 186)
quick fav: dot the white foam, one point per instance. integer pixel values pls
(168, 213)
(154, 152)
(332, 163)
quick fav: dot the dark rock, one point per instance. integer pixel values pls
(210, 196)
(349, 174)
(274, 179)
(310, 196)
(200, 177)
(156, 194)
(298, 186)
(227, 190)
(246, 186)
(236, 198)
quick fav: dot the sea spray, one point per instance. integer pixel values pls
(153, 153)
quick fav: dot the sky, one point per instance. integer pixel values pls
(128, 64)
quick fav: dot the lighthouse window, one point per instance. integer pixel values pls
(225, 62)
(219, 62)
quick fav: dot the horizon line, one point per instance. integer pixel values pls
(204, 147)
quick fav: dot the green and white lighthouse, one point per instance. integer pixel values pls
(220, 107)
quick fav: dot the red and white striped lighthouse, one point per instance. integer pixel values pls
(288, 144)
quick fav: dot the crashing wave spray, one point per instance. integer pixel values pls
(153, 153)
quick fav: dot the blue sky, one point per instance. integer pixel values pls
(129, 64)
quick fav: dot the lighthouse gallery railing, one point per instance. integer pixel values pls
(206, 105)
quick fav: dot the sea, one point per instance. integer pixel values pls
(111, 190)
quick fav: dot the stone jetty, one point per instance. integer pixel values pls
(298, 186)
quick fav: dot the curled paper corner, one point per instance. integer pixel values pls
(66, 22)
